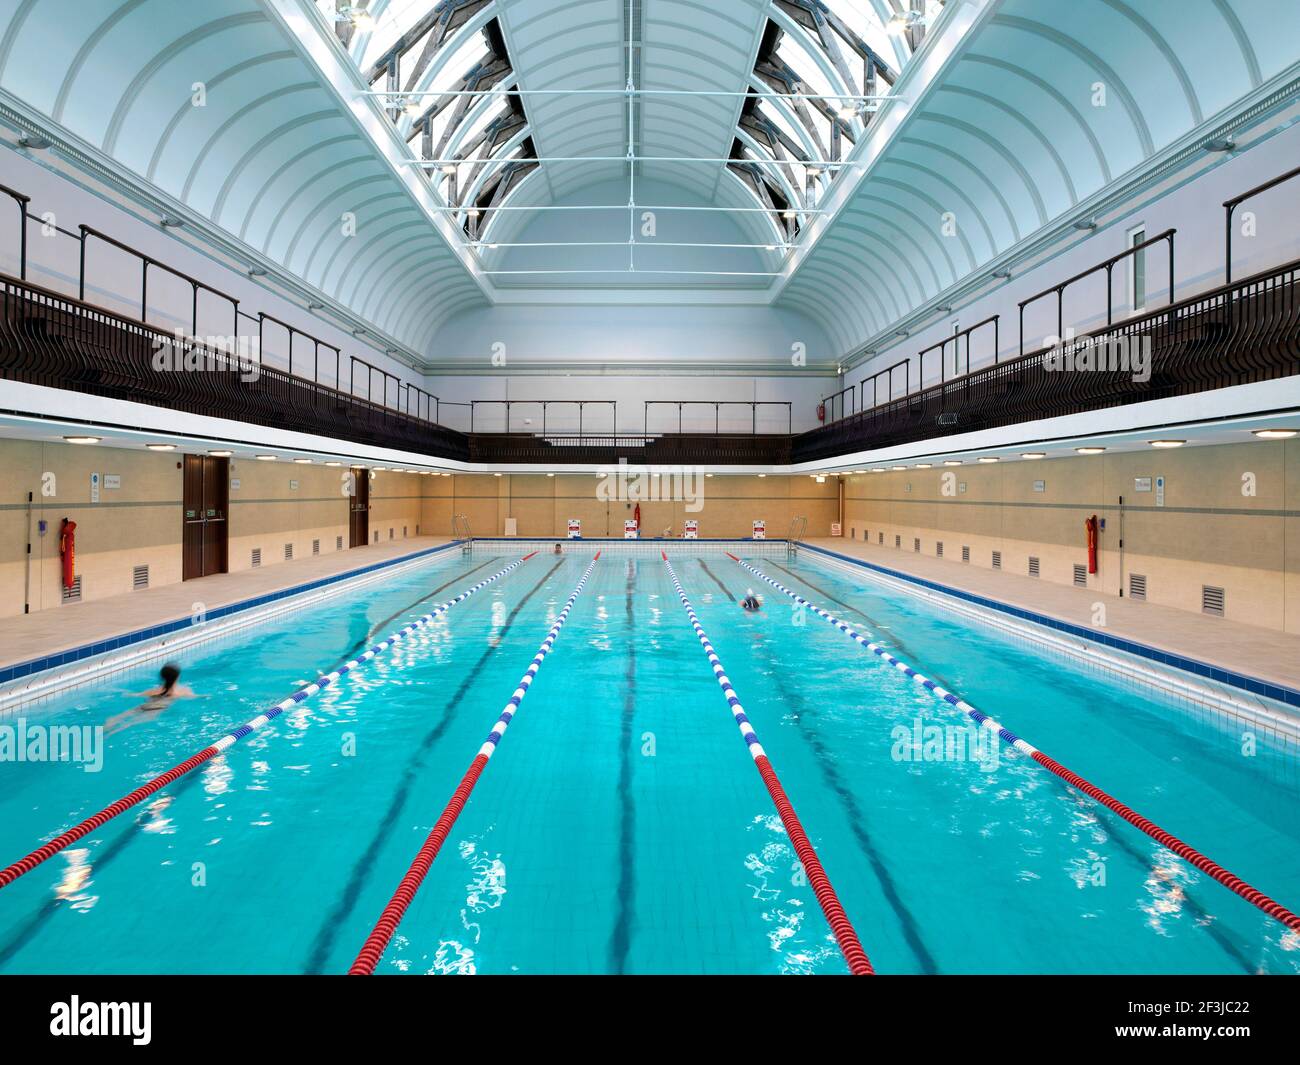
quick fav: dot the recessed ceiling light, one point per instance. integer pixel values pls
(379, 469)
(762, 475)
(1276, 434)
(221, 454)
(303, 462)
(446, 474)
(552, 475)
(1166, 443)
(265, 458)
(988, 458)
(1089, 450)
(923, 465)
(879, 469)
(496, 475)
(708, 475)
(898, 467)
(83, 439)
(161, 447)
(333, 464)
(952, 462)
(1033, 454)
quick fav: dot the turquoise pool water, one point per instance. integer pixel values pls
(621, 827)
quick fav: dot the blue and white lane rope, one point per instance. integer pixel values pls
(90, 824)
(377, 942)
(1206, 865)
(851, 947)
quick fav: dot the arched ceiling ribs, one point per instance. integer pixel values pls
(1001, 151)
(316, 214)
(1113, 82)
(280, 131)
(1043, 86)
(92, 41)
(145, 74)
(977, 173)
(292, 164)
(890, 252)
(936, 205)
(1238, 32)
(908, 238)
(341, 246)
(1029, 127)
(1162, 46)
(310, 181)
(187, 107)
(275, 96)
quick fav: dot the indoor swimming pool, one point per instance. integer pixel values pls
(620, 826)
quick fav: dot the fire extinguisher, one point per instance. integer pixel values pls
(68, 551)
(821, 412)
(1090, 527)
(636, 517)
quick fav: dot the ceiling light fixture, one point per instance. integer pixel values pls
(1033, 454)
(83, 439)
(1275, 434)
(161, 447)
(988, 458)
(1166, 443)
(952, 462)
(221, 454)
(1089, 450)
(265, 458)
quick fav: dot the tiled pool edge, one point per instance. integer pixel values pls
(141, 644)
(1243, 682)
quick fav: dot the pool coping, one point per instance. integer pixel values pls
(70, 656)
(1242, 681)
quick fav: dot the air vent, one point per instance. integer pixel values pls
(417, 530)
(1081, 575)
(853, 532)
(257, 557)
(1137, 586)
(938, 549)
(881, 540)
(315, 547)
(916, 543)
(1033, 566)
(997, 559)
(376, 536)
(139, 577)
(338, 543)
(965, 553)
(898, 541)
(403, 532)
(390, 532)
(288, 552)
(1212, 601)
(73, 594)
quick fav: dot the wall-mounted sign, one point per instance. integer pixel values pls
(575, 528)
(835, 529)
(293, 486)
(1040, 486)
(1160, 491)
(629, 529)
(760, 529)
(112, 480)
(234, 483)
(1141, 484)
(94, 487)
(961, 487)
(691, 530)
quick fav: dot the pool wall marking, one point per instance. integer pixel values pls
(1206, 865)
(380, 936)
(26, 864)
(850, 945)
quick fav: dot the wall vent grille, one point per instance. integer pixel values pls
(257, 557)
(315, 547)
(965, 553)
(1081, 575)
(288, 552)
(1137, 586)
(938, 549)
(1033, 566)
(898, 540)
(139, 577)
(997, 559)
(338, 543)
(73, 594)
(1212, 601)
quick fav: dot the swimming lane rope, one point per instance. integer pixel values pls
(378, 940)
(25, 865)
(847, 938)
(1212, 869)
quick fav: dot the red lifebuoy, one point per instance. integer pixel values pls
(1090, 528)
(68, 551)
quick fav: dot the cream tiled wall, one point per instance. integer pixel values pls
(1208, 531)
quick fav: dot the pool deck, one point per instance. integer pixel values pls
(1263, 653)
(46, 632)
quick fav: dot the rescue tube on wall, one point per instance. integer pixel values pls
(1090, 527)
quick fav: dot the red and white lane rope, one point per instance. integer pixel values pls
(378, 940)
(1211, 868)
(25, 865)
(850, 946)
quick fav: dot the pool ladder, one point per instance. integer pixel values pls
(460, 530)
(798, 527)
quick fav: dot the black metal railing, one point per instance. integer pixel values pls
(753, 406)
(52, 340)
(668, 449)
(1239, 333)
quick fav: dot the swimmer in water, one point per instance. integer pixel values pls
(156, 699)
(559, 550)
(750, 602)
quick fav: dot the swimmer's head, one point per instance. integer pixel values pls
(170, 674)
(749, 591)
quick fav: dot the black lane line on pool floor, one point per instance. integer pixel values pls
(856, 818)
(361, 871)
(363, 642)
(1113, 827)
(625, 900)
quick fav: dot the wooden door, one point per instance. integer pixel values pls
(359, 509)
(206, 495)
